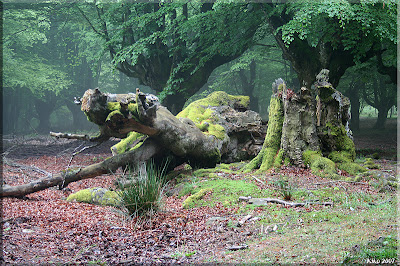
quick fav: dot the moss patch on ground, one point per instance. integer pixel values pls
(99, 196)
(224, 191)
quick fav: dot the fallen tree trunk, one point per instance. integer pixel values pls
(217, 128)
(63, 179)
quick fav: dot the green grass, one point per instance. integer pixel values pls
(143, 196)
(310, 234)
(322, 235)
(224, 190)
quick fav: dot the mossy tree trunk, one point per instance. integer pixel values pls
(217, 128)
(305, 126)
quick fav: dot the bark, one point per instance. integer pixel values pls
(248, 85)
(354, 97)
(44, 110)
(303, 127)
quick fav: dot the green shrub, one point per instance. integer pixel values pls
(370, 164)
(340, 157)
(323, 164)
(352, 168)
(143, 197)
(284, 188)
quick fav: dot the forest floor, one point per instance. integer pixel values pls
(361, 225)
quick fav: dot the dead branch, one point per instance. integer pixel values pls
(264, 201)
(69, 136)
(25, 167)
(64, 178)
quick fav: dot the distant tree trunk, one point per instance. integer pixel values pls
(248, 84)
(382, 98)
(79, 120)
(354, 97)
(44, 110)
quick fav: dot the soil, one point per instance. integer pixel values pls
(43, 228)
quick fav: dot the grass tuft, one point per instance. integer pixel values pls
(144, 195)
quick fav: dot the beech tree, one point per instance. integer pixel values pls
(173, 47)
(334, 35)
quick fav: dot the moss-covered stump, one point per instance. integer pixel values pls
(308, 129)
(98, 196)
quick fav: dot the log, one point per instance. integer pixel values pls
(69, 136)
(216, 128)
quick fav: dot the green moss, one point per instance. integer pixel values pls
(370, 164)
(351, 168)
(99, 196)
(342, 141)
(203, 126)
(322, 164)
(325, 93)
(190, 201)
(319, 165)
(116, 112)
(217, 130)
(266, 157)
(340, 157)
(204, 118)
(278, 159)
(309, 156)
(225, 191)
(114, 106)
(126, 143)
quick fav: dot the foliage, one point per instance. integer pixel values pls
(382, 251)
(144, 194)
(181, 41)
(284, 188)
(25, 30)
(341, 23)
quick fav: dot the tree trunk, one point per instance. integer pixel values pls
(302, 129)
(382, 117)
(44, 110)
(248, 85)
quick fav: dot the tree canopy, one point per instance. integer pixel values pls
(335, 35)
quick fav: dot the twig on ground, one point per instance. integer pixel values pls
(258, 180)
(25, 167)
(264, 201)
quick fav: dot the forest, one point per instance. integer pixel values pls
(204, 131)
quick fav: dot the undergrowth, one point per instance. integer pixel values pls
(143, 195)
